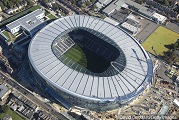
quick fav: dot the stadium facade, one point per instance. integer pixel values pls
(128, 75)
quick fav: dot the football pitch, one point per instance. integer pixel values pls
(77, 54)
(88, 59)
(156, 42)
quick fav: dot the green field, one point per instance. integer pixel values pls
(158, 39)
(77, 54)
(88, 59)
(13, 114)
(10, 36)
(6, 34)
(50, 16)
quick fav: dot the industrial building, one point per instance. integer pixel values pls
(4, 91)
(31, 23)
(142, 10)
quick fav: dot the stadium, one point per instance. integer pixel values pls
(87, 62)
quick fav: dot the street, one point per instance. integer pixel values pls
(29, 95)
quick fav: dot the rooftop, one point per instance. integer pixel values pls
(29, 21)
(119, 16)
(7, 117)
(3, 90)
(105, 1)
(134, 4)
(117, 4)
(111, 21)
(130, 26)
(146, 11)
(159, 17)
(114, 5)
(176, 102)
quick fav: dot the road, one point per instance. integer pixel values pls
(29, 95)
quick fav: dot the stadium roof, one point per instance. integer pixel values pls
(136, 75)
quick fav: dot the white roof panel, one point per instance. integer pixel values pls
(101, 88)
(82, 84)
(70, 81)
(94, 89)
(87, 90)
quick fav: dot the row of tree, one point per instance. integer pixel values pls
(6, 4)
(172, 55)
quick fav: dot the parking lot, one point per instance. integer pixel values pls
(172, 26)
(147, 28)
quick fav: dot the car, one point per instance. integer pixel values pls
(141, 18)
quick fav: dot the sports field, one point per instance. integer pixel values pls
(158, 39)
(77, 54)
(87, 58)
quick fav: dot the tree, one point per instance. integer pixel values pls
(30, 3)
(74, 2)
(139, 1)
(166, 2)
(4, 108)
(168, 15)
(87, 3)
(94, 7)
(93, 1)
(55, 6)
(2, 6)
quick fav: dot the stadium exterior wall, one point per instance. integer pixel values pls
(69, 100)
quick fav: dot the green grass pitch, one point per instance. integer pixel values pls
(77, 54)
(160, 37)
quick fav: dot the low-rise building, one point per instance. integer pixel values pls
(4, 91)
(131, 26)
(159, 18)
(146, 12)
(7, 117)
(111, 21)
(176, 102)
(104, 2)
(14, 106)
(99, 6)
(9, 11)
(31, 23)
(116, 5)
(142, 10)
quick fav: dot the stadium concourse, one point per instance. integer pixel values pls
(87, 62)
